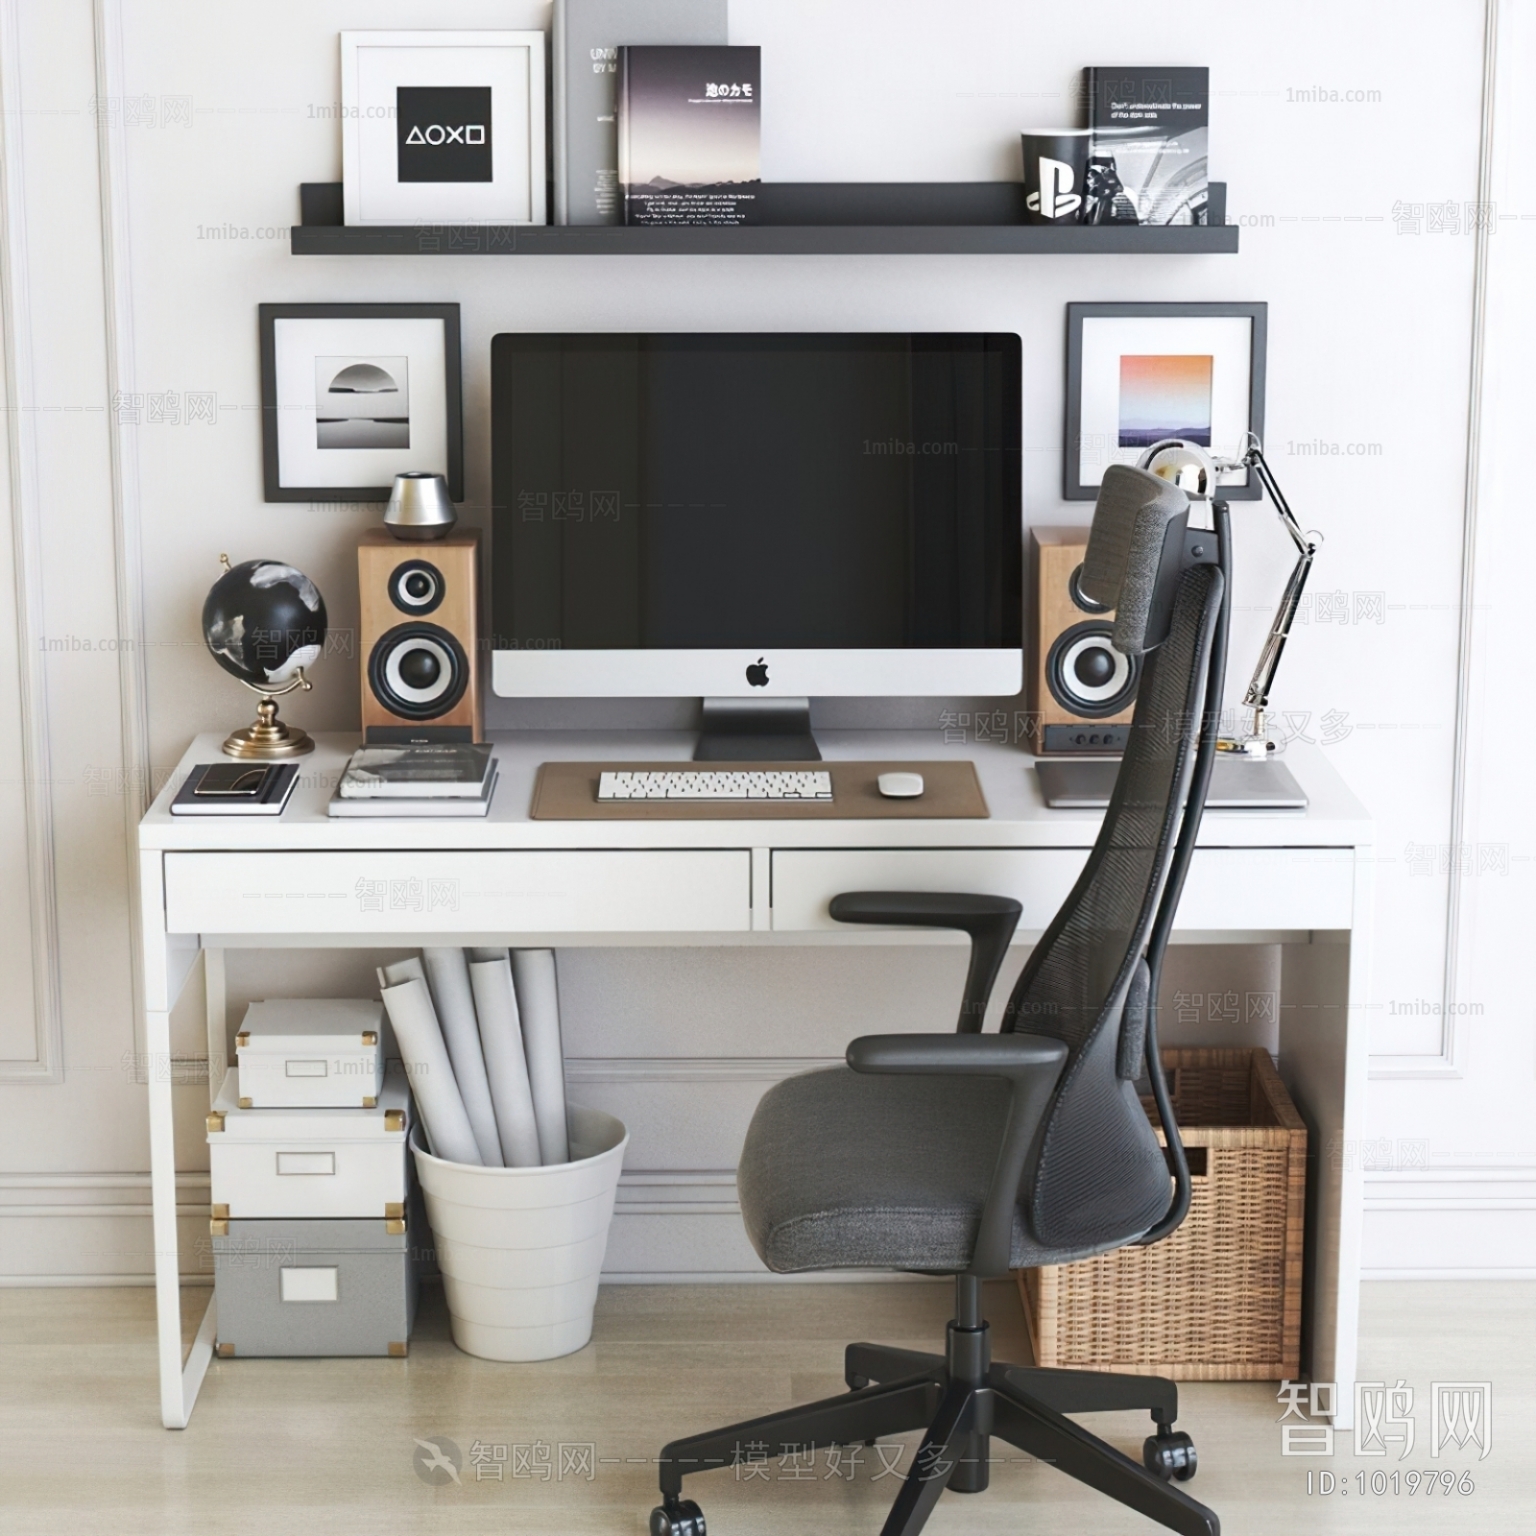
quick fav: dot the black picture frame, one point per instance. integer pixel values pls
(1257, 314)
(269, 314)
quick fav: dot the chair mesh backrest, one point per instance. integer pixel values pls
(1099, 1175)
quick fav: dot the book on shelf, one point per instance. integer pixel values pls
(585, 39)
(689, 134)
(1147, 158)
(435, 771)
(477, 804)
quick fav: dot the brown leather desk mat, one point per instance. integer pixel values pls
(568, 792)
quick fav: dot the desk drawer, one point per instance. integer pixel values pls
(679, 891)
(1245, 889)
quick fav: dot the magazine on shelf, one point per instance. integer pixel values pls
(1147, 159)
(586, 36)
(689, 134)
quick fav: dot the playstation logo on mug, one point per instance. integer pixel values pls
(1055, 172)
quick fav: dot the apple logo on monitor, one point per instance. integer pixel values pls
(757, 673)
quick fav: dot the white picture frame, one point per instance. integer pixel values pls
(455, 69)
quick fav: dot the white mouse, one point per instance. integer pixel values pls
(900, 786)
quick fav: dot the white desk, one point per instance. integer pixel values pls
(1297, 879)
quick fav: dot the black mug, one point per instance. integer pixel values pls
(1055, 174)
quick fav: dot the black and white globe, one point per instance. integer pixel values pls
(263, 621)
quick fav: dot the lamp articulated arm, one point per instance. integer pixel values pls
(1257, 696)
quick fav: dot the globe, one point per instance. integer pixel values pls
(264, 621)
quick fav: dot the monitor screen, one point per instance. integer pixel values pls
(846, 506)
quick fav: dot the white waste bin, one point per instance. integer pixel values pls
(521, 1249)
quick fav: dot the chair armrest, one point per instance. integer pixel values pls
(1031, 1063)
(989, 920)
(967, 1055)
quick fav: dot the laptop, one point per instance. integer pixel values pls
(1237, 784)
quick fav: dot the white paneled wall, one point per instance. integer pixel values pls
(1352, 152)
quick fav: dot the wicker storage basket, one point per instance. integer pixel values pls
(1219, 1300)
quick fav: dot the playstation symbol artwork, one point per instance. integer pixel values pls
(1055, 170)
(443, 132)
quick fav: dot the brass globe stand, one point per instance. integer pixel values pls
(270, 737)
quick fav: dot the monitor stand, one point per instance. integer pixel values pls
(756, 731)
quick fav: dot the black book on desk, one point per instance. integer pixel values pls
(236, 789)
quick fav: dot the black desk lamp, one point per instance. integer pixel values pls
(1194, 470)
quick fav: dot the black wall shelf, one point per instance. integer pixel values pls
(804, 219)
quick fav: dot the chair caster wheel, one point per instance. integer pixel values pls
(1170, 1455)
(677, 1517)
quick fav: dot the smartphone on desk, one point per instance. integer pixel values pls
(233, 781)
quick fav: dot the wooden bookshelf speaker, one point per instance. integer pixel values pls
(418, 635)
(1081, 689)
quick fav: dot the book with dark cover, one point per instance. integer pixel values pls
(689, 133)
(1147, 164)
(198, 797)
(585, 39)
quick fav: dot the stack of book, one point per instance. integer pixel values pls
(441, 779)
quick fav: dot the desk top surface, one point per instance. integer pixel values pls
(1019, 819)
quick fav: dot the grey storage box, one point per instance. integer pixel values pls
(316, 1287)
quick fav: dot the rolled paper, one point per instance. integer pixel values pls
(501, 1039)
(448, 981)
(427, 1067)
(538, 1002)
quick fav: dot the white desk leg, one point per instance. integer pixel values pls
(178, 1383)
(1324, 1059)
(216, 998)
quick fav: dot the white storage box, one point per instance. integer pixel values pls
(268, 1163)
(311, 1053)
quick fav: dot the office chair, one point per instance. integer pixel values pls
(972, 1154)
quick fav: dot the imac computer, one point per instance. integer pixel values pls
(756, 519)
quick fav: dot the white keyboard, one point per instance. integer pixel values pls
(716, 784)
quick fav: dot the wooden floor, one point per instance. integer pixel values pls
(327, 1446)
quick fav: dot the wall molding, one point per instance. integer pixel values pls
(127, 523)
(1449, 1062)
(47, 1064)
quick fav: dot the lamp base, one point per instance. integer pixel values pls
(1248, 746)
(267, 737)
(1256, 743)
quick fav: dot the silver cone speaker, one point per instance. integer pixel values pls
(419, 507)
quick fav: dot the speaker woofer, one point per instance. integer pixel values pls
(416, 587)
(418, 671)
(1087, 675)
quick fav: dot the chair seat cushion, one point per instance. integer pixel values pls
(850, 1170)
